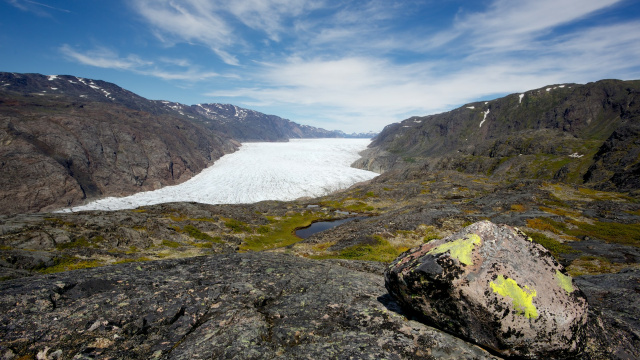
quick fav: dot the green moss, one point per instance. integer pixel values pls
(195, 233)
(522, 298)
(555, 247)
(263, 229)
(140, 259)
(280, 233)
(206, 245)
(237, 226)
(80, 242)
(381, 251)
(171, 244)
(626, 234)
(70, 263)
(564, 281)
(459, 249)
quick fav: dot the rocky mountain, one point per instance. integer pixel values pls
(66, 140)
(247, 125)
(575, 133)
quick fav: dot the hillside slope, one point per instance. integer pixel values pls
(573, 133)
(66, 140)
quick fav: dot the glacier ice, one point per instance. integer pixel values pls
(257, 172)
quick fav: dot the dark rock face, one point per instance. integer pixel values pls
(243, 306)
(614, 301)
(492, 285)
(616, 162)
(557, 132)
(58, 152)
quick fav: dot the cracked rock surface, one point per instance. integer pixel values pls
(244, 306)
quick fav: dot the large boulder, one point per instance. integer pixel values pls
(492, 285)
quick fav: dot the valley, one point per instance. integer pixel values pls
(154, 280)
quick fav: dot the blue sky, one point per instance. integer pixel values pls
(353, 65)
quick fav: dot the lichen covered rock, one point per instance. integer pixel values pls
(492, 285)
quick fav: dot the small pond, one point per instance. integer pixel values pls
(316, 227)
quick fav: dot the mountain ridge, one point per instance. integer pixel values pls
(562, 132)
(254, 125)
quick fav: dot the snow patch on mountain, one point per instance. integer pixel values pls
(484, 118)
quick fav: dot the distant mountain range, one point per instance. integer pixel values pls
(67, 139)
(580, 134)
(249, 125)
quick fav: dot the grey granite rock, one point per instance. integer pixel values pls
(236, 306)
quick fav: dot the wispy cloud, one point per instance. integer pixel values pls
(215, 23)
(35, 7)
(106, 58)
(376, 90)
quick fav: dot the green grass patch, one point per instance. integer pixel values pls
(237, 226)
(140, 259)
(195, 233)
(171, 244)
(281, 232)
(380, 250)
(550, 244)
(206, 245)
(70, 263)
(634, 212)
(626, 234)
(547, 224)
(80, 242)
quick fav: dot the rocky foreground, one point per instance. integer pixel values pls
(177, 280)
(254, 306)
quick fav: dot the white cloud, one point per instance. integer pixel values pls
(105, 58)
(215, 23)
(365, 64)
(35, 7)
(510, 25)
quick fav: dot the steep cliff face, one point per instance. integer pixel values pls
(60, 148)
(559, 132)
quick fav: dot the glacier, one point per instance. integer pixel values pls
(259, 171)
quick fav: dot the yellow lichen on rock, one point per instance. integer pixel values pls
(522, 298)
(459, 249)
(564, 281)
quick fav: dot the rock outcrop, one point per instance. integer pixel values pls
(235, 306)
(493, 286)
